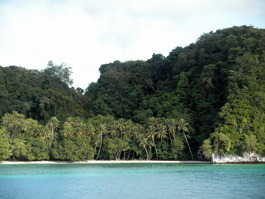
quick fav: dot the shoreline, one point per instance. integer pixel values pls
(106, 162)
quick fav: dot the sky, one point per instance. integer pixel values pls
(84, 34)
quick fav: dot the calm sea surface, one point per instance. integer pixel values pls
(132, 181)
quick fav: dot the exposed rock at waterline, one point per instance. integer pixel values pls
(247, 157)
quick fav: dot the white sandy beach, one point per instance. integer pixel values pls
(102, 161)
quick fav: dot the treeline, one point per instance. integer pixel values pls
(215, 86)
(100, 137)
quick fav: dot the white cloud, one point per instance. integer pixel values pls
(86, 34)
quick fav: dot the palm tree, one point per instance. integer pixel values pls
(161, 132)
(44, 132)
(102, 130)
(152, 121)
(53, 125)
(121, 125)
(82, 129)
(171, 125)
(128, 126)
(144, 143)
(152, 135)
(133, 135)
(67, 130)
(113, 130)
(182, 127)
(91, 130)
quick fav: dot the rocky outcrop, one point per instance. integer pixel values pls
(247, 157)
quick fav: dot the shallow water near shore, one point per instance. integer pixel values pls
(132, 181)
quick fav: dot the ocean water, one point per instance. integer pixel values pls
(132, 181)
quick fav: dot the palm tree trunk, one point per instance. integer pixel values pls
(95, 150)
(99, 146)
(155, 149)
(51, 138)
(129, 154)
(188, 145)
(170, 140)
(147, 157)
(116, 154)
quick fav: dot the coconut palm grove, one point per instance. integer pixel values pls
(205, 98)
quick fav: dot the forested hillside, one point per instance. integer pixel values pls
(208, 97)
(40, 95)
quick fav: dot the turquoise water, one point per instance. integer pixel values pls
(131, 181)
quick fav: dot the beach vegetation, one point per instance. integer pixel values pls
(205, 98)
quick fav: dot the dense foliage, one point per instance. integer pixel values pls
(40, 95)
(100, 137)
(205, 98)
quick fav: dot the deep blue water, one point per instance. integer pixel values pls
(132, 181)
